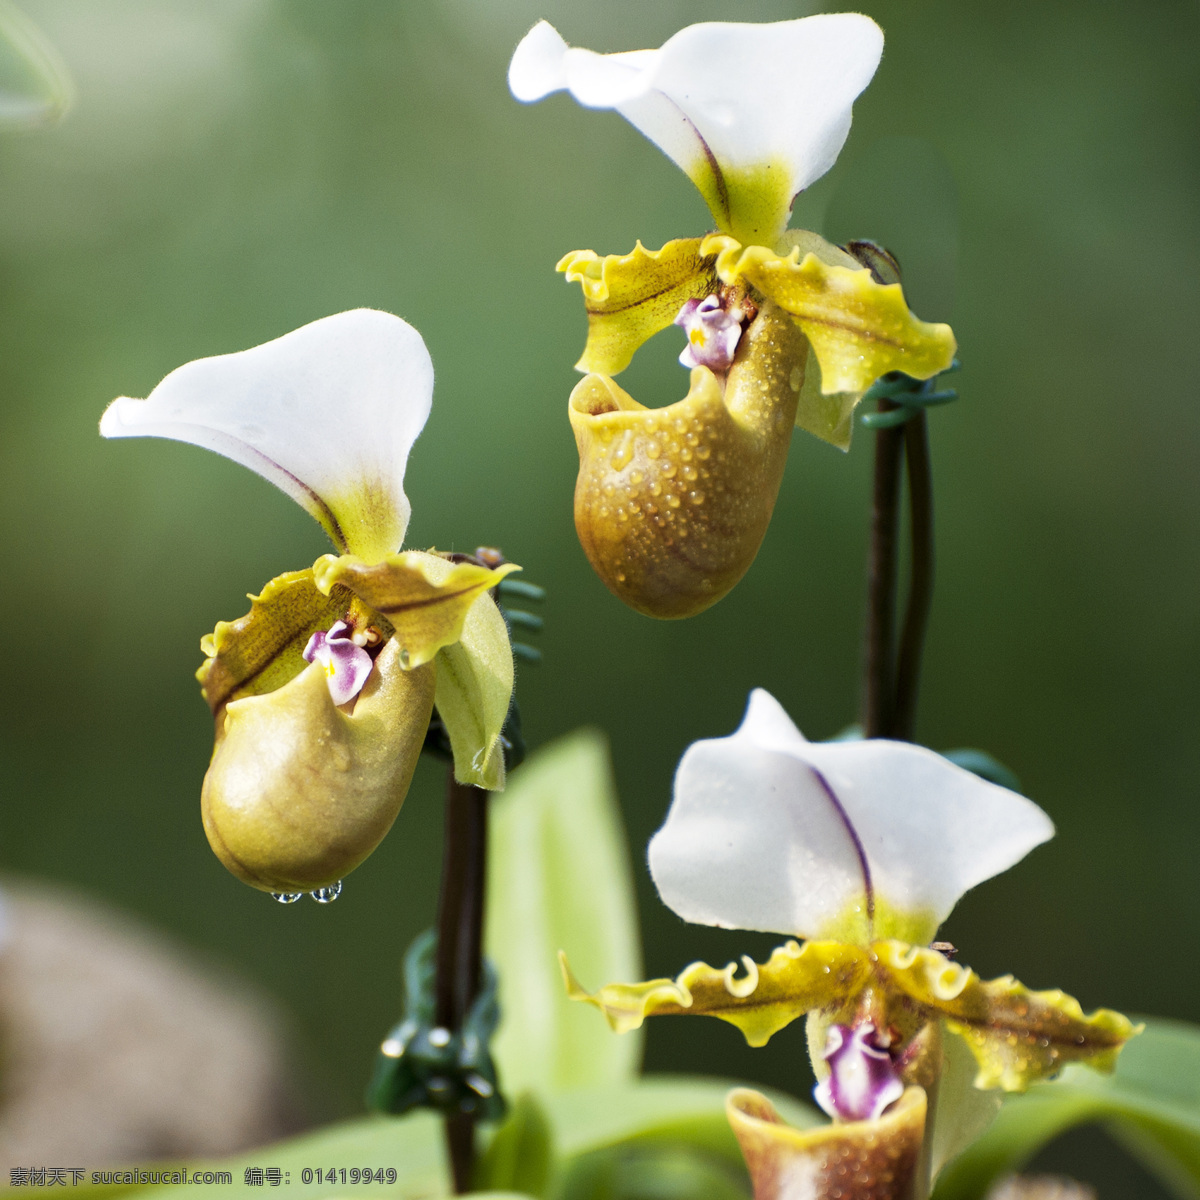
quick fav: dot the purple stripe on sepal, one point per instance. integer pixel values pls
(863, 1080)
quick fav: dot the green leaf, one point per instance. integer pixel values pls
(659, 1113)
(1151, 1103)
(661, 1172)
(665, 1137)
(659, 1108)
(520, 1156)
(559, 877)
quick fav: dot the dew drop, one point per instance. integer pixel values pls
(286, 897)
(327, 895)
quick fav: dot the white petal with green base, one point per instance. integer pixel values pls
(769, 831)
(721, 97)
(328, 413)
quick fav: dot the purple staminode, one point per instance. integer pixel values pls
(346, 664)
(713, 332)
(863, 1080)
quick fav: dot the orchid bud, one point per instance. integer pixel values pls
(299, 791)
(672, 504)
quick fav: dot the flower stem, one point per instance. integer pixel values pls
(460, 942)
(920, 588)
(878, 694)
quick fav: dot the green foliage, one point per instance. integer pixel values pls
(1151, 1103)
(664, 1138)
(560, 879)
(521, 1154)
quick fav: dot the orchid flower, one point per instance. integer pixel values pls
(783, 328)
(322, 693)
(859, 849)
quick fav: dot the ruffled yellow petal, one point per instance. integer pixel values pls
(859, 329)
(424, 597)
(1017, 1036)
(298, 792)
(794, 980)
(630, 297)
(868, 1160)
(672, 504)
(262, 651)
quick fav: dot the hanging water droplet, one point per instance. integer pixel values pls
(327, 895)
(286, 897)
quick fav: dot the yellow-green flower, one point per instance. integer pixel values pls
(861, 849)
(672, 503)
(322, 693)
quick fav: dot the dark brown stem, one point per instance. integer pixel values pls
(460, 942)
(878, 682)
(920, 589)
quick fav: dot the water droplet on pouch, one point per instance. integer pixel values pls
(286, 897)
(327, 895)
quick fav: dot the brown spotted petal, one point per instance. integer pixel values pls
(860, 328)
(671, 504)
(862, 1160)
(795, 980)
(264, 649)
(630, 297)
(1017, 1036)
(424, 597)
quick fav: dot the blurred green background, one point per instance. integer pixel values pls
(235, 168)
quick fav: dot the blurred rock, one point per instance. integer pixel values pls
(119, 1047)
